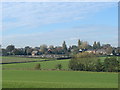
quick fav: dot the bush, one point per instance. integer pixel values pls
(83, 62)
(111, 64)
(89, 62)
(99, 66)
(59, 66)
(37, 67)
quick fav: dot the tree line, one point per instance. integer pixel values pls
(62, 50)
(89, 62)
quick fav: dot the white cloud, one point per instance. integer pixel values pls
(71, 36)
(30, 15)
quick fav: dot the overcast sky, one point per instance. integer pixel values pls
(36, 23)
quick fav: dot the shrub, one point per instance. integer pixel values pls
(59, 66)
(111, 64)
(37, 67)
(84, 62)
(99, 66)
(89, 62)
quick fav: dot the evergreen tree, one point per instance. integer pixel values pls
(98, 45)
(95, 45)
(64, 46)
(79, 44)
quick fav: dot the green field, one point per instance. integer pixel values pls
(44, 65)
(58, 79)
(31, 65)
(18, 59)
(23, 75)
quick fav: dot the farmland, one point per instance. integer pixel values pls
(23, 75)
(58, 79)
(44, 65)
(18, 59)
(59, 44)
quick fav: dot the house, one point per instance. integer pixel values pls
(101, 51)
(82, 50)
(91, 51)
(34, 53)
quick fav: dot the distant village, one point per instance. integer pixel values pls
(63, 51)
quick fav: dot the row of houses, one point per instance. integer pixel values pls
(99, 51)
(35, 54)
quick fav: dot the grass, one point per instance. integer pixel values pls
(44, 65)
(24, 78)
(58, 79)
(31, 65)
(6, 59)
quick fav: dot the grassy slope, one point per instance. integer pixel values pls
(18, 59)
(58, 79)
(44, 65)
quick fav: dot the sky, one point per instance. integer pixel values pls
(51, 23)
